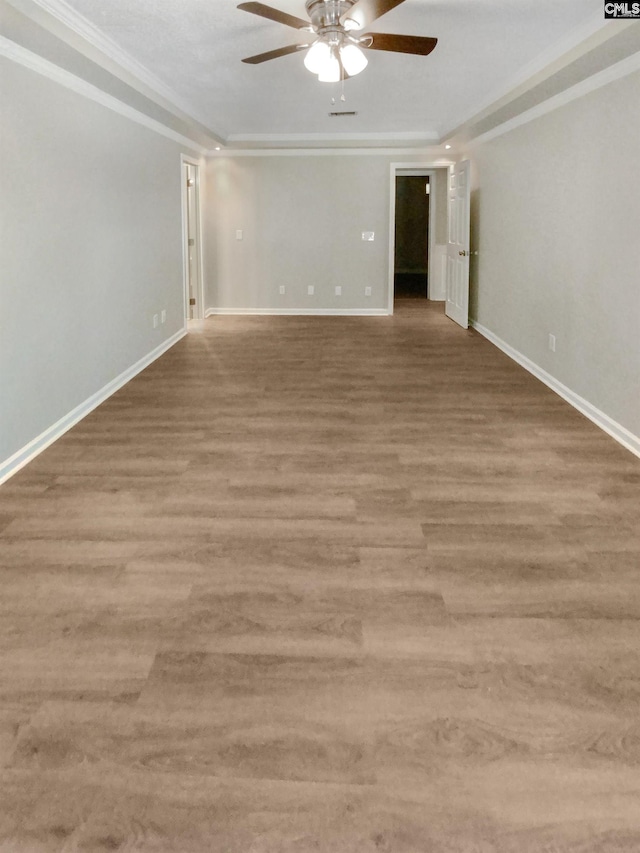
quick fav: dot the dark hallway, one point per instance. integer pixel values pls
(411, 256)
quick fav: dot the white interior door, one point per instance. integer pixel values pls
(458, 244)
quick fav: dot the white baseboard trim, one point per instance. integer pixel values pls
(302, 312)
(23, 456)
(621, 434)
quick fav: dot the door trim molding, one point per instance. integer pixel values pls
(621, 434)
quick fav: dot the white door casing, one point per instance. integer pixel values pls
(459, 197)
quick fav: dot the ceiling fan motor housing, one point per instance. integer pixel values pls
(325, 14)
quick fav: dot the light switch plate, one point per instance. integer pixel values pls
(239, 234)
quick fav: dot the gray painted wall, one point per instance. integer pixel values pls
(556, 210)
(302, 219)
(90, 249)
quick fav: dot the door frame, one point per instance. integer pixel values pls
(420, 170)
(199, 308)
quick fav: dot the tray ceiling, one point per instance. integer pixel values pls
(195, 48)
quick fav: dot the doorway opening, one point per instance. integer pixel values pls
(417, 269)
(192, 240)
(411, 250)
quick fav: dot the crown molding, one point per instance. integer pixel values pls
(16, 53)
(525, 75)
(410, 139)
(591, 84)
(85, 30)
(436, 158)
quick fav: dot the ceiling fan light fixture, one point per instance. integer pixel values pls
(335, 53)
(331, 71)
(353, 59)
(317, 57)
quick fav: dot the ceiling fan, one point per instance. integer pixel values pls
(335, 49)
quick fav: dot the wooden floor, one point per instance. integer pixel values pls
(342, 585)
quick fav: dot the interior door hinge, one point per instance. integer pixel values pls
(192, 241)
(192, 300)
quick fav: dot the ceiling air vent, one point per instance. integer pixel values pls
(344, 113)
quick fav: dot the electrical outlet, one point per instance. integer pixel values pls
(552, 343)
(283, 290)
(310, 290)
(155, 321)
(369, 236)
(239, 234)
(163, 315)
(367, 291)
(338, 290)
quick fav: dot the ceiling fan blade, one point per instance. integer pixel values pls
(275, 15)
(274, 54)
(365, 12)
(420, 45)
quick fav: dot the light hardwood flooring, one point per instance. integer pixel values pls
(342, 585)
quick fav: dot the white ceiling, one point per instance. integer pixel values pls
(195, 48)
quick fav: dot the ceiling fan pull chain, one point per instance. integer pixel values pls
(343, 97)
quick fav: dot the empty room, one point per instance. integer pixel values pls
(319, 426)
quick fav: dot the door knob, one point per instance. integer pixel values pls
(463, 254)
